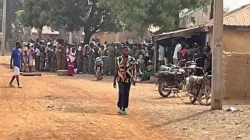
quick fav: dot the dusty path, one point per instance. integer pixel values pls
(61, 108)
(77, 108)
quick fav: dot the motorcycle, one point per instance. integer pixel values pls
(98, 69)
(200, 89)
(170, 79)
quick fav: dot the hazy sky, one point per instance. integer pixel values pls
(233, 4)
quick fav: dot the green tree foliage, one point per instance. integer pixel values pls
(70, 15)
(12, 7)
(141, 14)
(88, 14)
(35, 13)
(17, 24)
(106, 15)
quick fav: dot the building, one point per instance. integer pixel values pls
(131, 37)
(48, 32)
(236, 30)
(236, 40)
(236, 57)
(199, 16)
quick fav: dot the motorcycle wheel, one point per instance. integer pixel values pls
(161, 90)
(182, 85)
(205, 94)
(98, 76)
(193, 99)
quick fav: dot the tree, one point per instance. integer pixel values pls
(212, 10)
(70, 15)
(17, 24)
(12, 7)
(135, 14)
(88, 14)
(36, 14)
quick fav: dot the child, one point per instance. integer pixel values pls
(99, 68)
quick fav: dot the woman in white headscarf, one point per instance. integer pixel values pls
(31, 54)
(71, 59)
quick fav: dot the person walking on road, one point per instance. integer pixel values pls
(125, 75)
(16, 57)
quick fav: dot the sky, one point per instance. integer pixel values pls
(234, 4)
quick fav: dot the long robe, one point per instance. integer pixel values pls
(59, 58)
(72, 57)
(111, 59)
(91, 60)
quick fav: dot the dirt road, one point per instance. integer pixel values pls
(77, 108)
(62, 108)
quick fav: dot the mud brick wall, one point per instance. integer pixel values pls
(236, 73)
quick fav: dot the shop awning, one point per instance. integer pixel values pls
(180, 33)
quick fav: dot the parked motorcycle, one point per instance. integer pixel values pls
(170, 79)
(199, 89)
(98, 69)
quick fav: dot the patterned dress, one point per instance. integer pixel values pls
(125, 78)
(125, 73)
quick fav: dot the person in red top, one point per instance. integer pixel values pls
(71, 59)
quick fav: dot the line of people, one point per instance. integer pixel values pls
(56, 55)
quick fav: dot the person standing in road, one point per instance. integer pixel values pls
(125, 75)
(16, 57)
(176, 51)
(31, 54)
(161, 52)
(37, 58)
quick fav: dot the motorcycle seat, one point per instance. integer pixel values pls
(165, 73)
(193, 79)
(164, 68)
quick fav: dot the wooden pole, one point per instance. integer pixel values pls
(217, 79)
(4, 28)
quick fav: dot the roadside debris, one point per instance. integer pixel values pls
(232, 109)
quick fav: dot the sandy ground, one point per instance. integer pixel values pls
(77, 108)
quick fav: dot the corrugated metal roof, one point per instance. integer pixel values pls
(179, 33)
(238, 17)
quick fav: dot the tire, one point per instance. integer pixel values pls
(98, 76)
(207, 93)
(160, 90)
(182, 85)
(193, 99)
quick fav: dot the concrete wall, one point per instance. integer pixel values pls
(132, 37)
(200, 15)
(236, 62)
(236, 72)
(236, 40)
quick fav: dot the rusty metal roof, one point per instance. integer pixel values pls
(180, 33)
(238, 17)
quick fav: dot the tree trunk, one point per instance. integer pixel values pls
(177, 22)
(212, 10)
(87, 36)
(40, 33)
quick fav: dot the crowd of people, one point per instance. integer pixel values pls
(182, 53)
(53, 55)
(124, 60)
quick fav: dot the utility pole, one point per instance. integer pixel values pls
(217, 51)
(4, 28)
